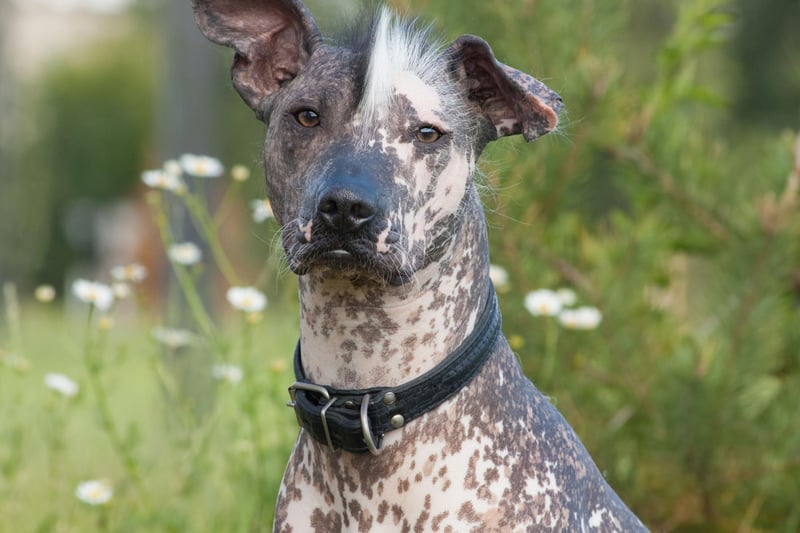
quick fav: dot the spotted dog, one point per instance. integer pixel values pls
(415, 413)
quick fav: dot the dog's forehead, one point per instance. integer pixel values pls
(422, 97)
(335, 79)
(334, 75)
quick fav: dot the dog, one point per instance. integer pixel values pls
(415, 413)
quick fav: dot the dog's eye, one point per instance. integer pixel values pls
(308, 118)
(428, 134)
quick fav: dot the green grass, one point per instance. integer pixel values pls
(210, 461)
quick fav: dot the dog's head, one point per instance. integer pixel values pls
(372, 138)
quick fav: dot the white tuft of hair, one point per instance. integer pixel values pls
(398, 46)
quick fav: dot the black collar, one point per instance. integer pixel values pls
(356, 420)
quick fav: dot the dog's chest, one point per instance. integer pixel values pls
(495, 458)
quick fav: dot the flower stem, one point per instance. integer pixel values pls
(252, 412)
(196, 307)
(172, 391)
(13, 317)
(208, 228)
(550, 354)
(93, 368)
(222, 208)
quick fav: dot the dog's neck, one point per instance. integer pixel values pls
(360, 334)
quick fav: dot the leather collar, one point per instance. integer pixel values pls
(355, 420)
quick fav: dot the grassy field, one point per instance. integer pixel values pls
(181, 450)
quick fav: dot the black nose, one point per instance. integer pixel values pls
(346, 210)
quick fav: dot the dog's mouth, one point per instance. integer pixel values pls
(352, 257)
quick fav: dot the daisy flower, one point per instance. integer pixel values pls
(230, 373)
(121, 290)
(248, 299)
(99, 295)
(61, 384)
(499, 277)
(567, 296)
(543, 302)
(580, 318)
(160, 179)
(185, 253)
(173, 338)
(134, 273)
(173, 167)
(201, 166)
(262, 210)
(94, 492)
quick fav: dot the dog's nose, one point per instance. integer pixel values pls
(346, 210)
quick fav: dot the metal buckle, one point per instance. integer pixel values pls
(322, 391)
(366, 430)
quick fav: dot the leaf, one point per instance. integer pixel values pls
(704, 95)
(758, 396)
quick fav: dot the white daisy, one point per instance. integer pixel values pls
(230, 373)
(61, 384)
(121, 290)
(173, 167)
(133, 272)
(97, 294)
(185, 253)
(499, 277)
(543, 302)
(201, 166)
(567, 296)
(160, 179)
(262, 210)
(173, 338)
(247, 299)
(580, 318)
(94, 492)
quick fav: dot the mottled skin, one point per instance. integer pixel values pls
(386, 232)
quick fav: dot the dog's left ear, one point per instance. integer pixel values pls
(512, 101)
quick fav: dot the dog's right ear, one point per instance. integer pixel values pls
(273, 39)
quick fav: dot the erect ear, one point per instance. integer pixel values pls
(273, 39)
(512, 101)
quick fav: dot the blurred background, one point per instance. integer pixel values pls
(668, 200)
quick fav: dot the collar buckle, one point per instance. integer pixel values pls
(366, 430)
(322, 391)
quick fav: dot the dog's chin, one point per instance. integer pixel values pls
(343, 264)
